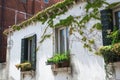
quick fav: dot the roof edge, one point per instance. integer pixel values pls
(43, 15)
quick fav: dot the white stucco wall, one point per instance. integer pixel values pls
(85, 64)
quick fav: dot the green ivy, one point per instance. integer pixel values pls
(50, 13)
(112, 5)
(72, 21)
(95, 5)
(115, 36)
(98, 26)
(42, 16)
(65, 22)
(91, 41)
(110, 53)
(45, 37)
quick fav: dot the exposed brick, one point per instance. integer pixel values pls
(12, 7)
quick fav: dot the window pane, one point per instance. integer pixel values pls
(24, 50)
(117, 18)
(30, 50)
(67, 39)
(62, 40)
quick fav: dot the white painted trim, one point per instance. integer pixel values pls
(115, 10)
(29, 35)
(64, 29)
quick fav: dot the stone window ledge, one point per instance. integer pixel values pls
(62, 69)
(30, 73)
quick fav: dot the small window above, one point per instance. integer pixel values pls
(46, 1)
(23, 1)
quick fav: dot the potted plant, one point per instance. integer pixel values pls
(26, 66)
(60, 60)
(110, 53)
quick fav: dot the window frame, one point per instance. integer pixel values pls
(30, 57)
(29, 52)
(115, 9)
(57, 39)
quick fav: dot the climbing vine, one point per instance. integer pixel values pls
(49, 14)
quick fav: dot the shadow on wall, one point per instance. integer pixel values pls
(85, 65)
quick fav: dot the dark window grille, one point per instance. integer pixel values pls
(28, 51)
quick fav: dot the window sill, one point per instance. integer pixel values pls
(61, 69)
(31, 73)
(64, 69)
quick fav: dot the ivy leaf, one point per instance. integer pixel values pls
(112, 5)
(98, 26)
(88, 6)
(85, 45)
(85, 19)
(91, 41)
(84, 39)
(45, 37)
(71, 31)
(81, 32)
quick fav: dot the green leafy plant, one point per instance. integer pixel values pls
(110, 53)
(116, 48)
(48, 15)
(58, 58)
(115, 35)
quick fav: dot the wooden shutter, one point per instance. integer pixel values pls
(107, 25)
(117, 18)
(56, 40)
(24, 49)
(33, 54)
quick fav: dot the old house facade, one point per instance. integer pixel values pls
(59, 43)
(13, 12)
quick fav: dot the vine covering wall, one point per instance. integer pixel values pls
(76, 24)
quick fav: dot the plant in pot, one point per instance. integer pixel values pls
(110, 53)
(58, 59)
(26, 66)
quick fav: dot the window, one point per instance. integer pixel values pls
(46, 1)
(109, 19)
(24, 1)
(28, 50)
(117, 19)
(62, 42)
(107, 25)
